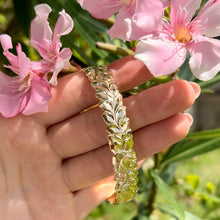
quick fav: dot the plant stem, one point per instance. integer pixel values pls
(152, 197)
(114, 49)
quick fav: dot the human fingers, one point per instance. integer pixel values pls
(86, 169)
(74, 92)
(87, 199)
(86, 131)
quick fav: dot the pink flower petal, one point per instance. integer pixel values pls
(24, 63)
(6, 80)
(11, 106)
(183, 7)
(120, 29)
(5, 41)
(63, 26)
(42, 10)
(13, 60)
(28, 96)
(133, 22)
(161, 57)
(40, 28)
(61, 62)
(101, 8)
(209, 19)
(205, 58)
(148, 14)
(53, 60)
(45, 49)
(39, 97)
(166, 3)
(12, 101)
(126, 30)
(134, 32)
(20, 64)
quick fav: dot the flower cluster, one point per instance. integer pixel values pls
(29, 91)
(163, 43)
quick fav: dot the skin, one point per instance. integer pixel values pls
(57, 165)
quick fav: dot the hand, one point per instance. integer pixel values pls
(57, 165)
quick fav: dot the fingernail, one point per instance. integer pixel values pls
(189, 117)
(196, 89)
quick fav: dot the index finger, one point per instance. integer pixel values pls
(74, 92)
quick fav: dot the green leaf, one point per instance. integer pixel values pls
(190, 149)
(62, 2)
(168, 193)
(190, 216)
(185, 72)
(168, 173)
(169, 210)
(68, 41)
(88, 28)
(215, 133)
(193, 140)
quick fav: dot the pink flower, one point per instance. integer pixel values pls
(47, 44)
(26, 93)
(134, 18)
(165, 53)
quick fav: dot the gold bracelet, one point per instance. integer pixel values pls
(119, 133)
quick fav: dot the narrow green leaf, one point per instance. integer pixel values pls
(89, 37)
(83, 25)
(185, 72)
(168, 173)
(96, 25)
(168, 193)
(62, 2)
(84, 17)
(190, 216)
(215, 133)
(191, 149)
(181, 147)
(68, 41)
(169, 210)
(192, 140)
